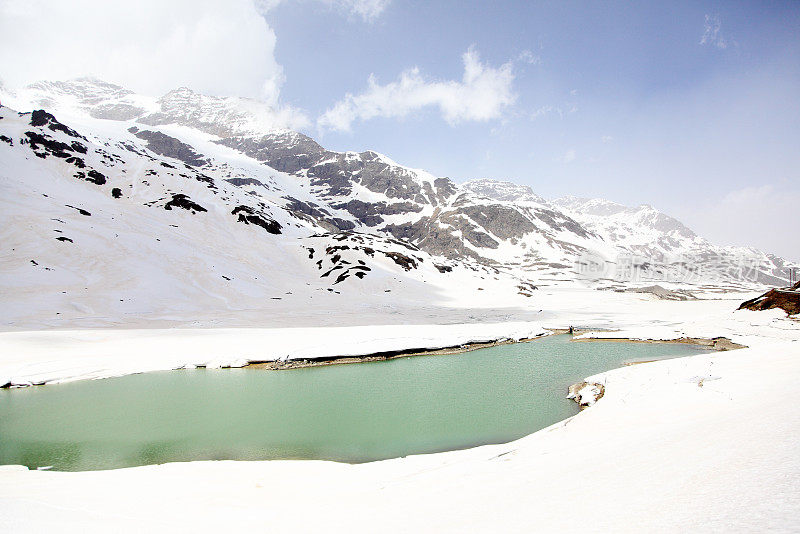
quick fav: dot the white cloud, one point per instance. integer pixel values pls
(546, 110)
(747, 195)
(606, 139)
(482, 95)
(368, 10)
(558, 110)
(150, 46)
(153, 46)
(712, 32)
(569, 156)
(526, 56)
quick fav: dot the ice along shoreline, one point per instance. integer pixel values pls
(39, 358)
(716, 344)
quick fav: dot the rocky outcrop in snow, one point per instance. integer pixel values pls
(787, 299)
(586, 393)
(166, 145)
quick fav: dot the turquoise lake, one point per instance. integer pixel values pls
(348, 413)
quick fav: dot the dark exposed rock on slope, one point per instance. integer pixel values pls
(166, 145)
(184, 202)
(336, 173)
(283, 151)
(43, 118)
(43, 144)
(314, 212)
(248, 215)
(787, 299)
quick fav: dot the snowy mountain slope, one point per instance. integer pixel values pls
(649, 241)
(507, 225)
(101, 230)
(483, 222)
(378, 194)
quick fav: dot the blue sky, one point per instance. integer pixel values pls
(692, 107)
(602, 73)
(621, 100)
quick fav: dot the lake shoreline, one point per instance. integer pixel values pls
(717, 344)
(281, 365)
(84, 355)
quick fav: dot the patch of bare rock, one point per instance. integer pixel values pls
(586, 393)
(787, 299)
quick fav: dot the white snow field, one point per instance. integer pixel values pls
(705, 443)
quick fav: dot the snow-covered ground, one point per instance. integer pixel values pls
(706, 443)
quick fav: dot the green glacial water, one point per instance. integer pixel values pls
(348, 413)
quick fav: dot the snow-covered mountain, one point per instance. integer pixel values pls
(100, 229)
(192, 202)
(95, 98)
(659, 247)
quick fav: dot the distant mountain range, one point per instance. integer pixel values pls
(248, 190)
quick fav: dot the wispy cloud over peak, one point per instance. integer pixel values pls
(545, 110)
(526, 56)
(712, 33)
(368, 10)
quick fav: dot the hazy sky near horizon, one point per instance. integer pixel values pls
(693, 107)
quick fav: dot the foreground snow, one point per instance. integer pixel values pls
(701, 443)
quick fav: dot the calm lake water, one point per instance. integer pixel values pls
(349, 413)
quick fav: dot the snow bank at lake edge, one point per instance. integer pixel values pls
(61, 356)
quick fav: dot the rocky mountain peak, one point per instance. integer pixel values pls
(219, 116)
(96, 98)
(649, 216)
(503, 191)
(636, 219)
(591, 206)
